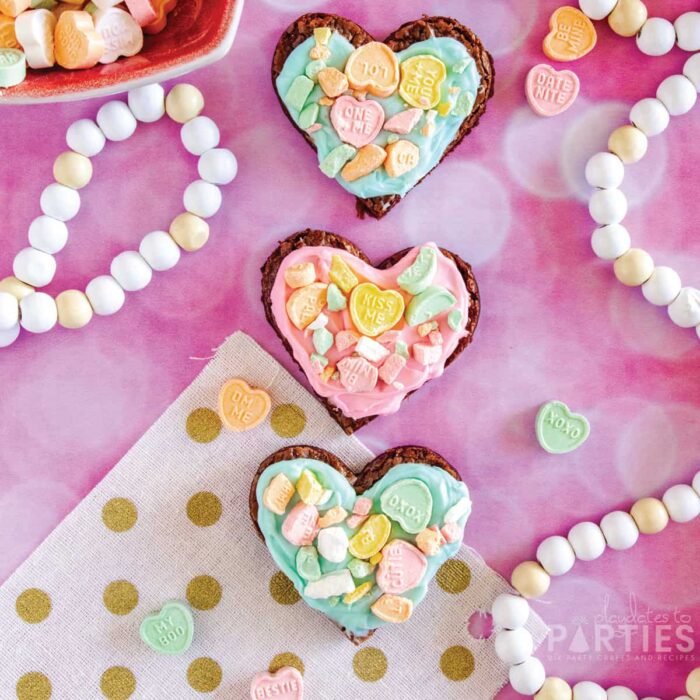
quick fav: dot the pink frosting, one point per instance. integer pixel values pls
(383, 399)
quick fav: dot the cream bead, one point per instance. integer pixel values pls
(147, 103)
(657, 37)
(691, 70)
(650, 515)
(682, 503)
(202, 198)
(116, 120)
(587, 690)
(620, 530)
(199, 135)
(628, 17)
(9, 311)
(530, 579)
(72, 170)
(597, 9)
(7, 337)
(74, 310)
(684, 310)
(587, 541)
(105, 295)
(628, 143)
(60, 202)
(131, 271)
(556, 555)
(662, 287)
(38, 312)
(678, 94)
(605, 170)
(608, 206)
(159, 250)
(610, 242)
(16, 287)
(687, 28)
(692, 685)
(554, 689)
(34, 267)
(528, 677)
(85, 137)
(48, 234)
(184, 102)
(619, 692)
(218, 166)
(189, 231)
(514, 646)
(510, 611)
(696, 483)
(634, 268)
(650, 116)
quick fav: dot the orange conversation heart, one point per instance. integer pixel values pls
(572, 35)
(374, 68)
(242, 407)
(8, 38)
(78, 44)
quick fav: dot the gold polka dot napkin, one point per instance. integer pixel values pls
(171, 522)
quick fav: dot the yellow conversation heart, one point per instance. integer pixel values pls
(371, 537)
(373, 310)
(421, 79)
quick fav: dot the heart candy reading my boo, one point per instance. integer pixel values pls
(366, 337)
(170, 631)
(549, 91)
(360, 548)
(405, 103)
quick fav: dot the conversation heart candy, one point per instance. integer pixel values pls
(13, 67)
(402, 157)
(162, 9)
(393, 608)
(332, 543)
(559, 430)
(309, 488)
(404, 122)
(357, 375)
(344, 340)
(78, 45)
(143, 11)
(366, 161)
(428, 304)
(335, 298)
(402, 567)
(301, 525)
(373, 310)
(13, 8)
(421, 79)
(170, 631)
(371, 350)
(550, 92)
(409, 503)
(572, 35)
(332, 516)
(341, 274)
(371, 537)
(360, 592)
(305, 304)
(242, 407)
(452, 532)
(120, 32)
(278, 493)
(430, 540)
(8, 36)
(307, 565)
(427, 354)
(332, 81)
(354, 521)
(357, 123)
(300, 275)
(329, 585)
(373, 68)
(35, 32)
(362, 506)
(285, 684)
(332, 164)
(391, 368)
(420, 274)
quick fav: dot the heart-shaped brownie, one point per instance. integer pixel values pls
(381, 115)
(367, 337)
(360, 548)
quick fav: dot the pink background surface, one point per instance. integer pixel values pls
(555, 322)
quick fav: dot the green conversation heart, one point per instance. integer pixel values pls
(410, 503)
(559, 430)
(419, 276)
(429, 304)
(170, 631)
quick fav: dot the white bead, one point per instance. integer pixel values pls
(527, 678)
(202, 198)
(510, 611)
(688, 31)
(218, 166)
(48, 234)
(608, 206)
(685, 309)
(610, 242)
(60, 202)
(657, 37)
(199, 135)
(513, 646)
(147, 103)
(587, 690)
(556, 555)
(131, 271)
(85, 137)
(696, 483)
(650, 116)
(34, 267)
(597, 9)
(682, 503)
(116, 120)
(605, 170)
(620, 530)
(9, 336)
(587, 540)
(619, 692)
(678, 94)
(662, 287)
(9, 311)
(159, 250)
(105, 295)
(38, 312)
(691, 70)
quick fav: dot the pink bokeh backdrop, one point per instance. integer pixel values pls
(555, 323)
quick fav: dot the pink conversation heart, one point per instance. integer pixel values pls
(357, 375)
(286, 684)
(357, 123)
(549, 91)
(402, 567)
(404, 122)
(301, 525)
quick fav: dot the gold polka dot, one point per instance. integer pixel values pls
(288, 420)
(370, 664)
(118, 683)
(33, 605)
(282, 589)
(33, 686)
(286, 659)
(204, 509)
(457, 663)
(120, 597)
(204, 592)
(454, 576)
(203, 425)
(119, 514)
(204, 675)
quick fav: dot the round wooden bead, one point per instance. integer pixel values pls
(184, 102)
(554, 689)
(159, 250)
(628, 17)
(687, 28)
(202, 198)
(7, 337)
(105, 295)
(60, 202)
(116, 120)
(682, 503)
(619, 692)
(131, 271)
(514, 646)
(556, 555)
(85, 137)
(587, 540)
(48, 234)
(72, 170)
(147, 103)
(530, 579)
(628, 143)
(38, 312)
(650, 116)
(218, 166)
(74, 310)
(597, 9)
(634, 268)
(510, 611)
(16, 287)
(691, 70)
(587, 690)
(605, 170)
(678, 94)
(684, 310)
(662, 287)
(34, 267)
(657, 37)
(692, 685)
(199, 135)
(189, 231)
(9, 311)
(650, 514)
(528, 677)
(610, 242)
(608, 206)
(620, 530)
